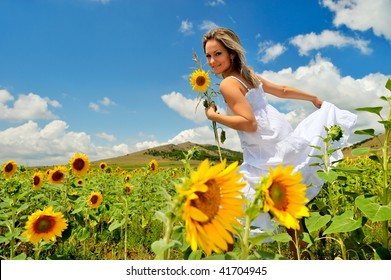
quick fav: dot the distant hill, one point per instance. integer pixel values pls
(171, 155)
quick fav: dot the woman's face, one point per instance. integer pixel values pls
(218, 57)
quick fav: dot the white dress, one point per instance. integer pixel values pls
(276, 142)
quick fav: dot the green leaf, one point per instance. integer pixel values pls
(388, 84)
(77, 210)
(116, 224)
(330, 177)
(282, 237)
(316, 221)
(368, 131)
(159, 247)
(83, 234)
(195, 255)
(372, 209)
(4, 239)
(343, 223)
(259, 238)
(159, 215)
(347, 169)
(20, 257)
(387, 124)
(362, 151)
(373, 110)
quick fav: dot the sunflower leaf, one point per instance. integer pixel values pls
(372, 209)
(343, 223)
(316, 221)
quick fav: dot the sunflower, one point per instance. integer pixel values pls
(79, 164)
(57, 175)
(37, 180)
(128, 189)
(103, 165)
(153, 166)
(212, 204)
(200, 80)
(45, 225)
(285, 196)
(9, 168)
(95, 199)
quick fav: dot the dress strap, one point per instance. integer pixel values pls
(239, 80)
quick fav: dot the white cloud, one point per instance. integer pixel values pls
(322, 78)
(362, 15)
(106, 136)
(214, 3)
(313, 41)
(32, 145)
(207, 25)
(269, 51)
(185, 107)
(186, 27)
(94, 107)
(26, 107)
(106, 102)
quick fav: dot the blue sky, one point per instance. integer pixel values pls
(110, 77)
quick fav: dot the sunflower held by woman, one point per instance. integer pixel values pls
(284, 196)
(45, 225)
(212, 204)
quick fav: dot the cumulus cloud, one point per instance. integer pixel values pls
(327, 38)
(186, 27)
(268, 51)
(323, 79)
(207, 25)
(105, 102)
(184, 106)
(26, 107)
(32, 145)
(106, 136)
(362, 15)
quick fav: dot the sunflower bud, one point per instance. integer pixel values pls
(335, 132)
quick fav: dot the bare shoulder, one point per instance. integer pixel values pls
(230, 86)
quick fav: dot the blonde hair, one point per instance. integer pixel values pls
(231, 41)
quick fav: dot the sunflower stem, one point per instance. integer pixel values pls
(217, 140)
(245, 242)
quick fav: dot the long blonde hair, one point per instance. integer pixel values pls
(231, 41)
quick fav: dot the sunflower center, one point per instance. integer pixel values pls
(8, 167)
(94, 199)
(36, 180)
(208, 202)
(200, 81)
(78, 164)
(57, 176)
(278, 195)
(44, 224)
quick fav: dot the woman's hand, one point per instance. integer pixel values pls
(317, 102)
(210, 111)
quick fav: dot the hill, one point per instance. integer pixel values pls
(171, 155)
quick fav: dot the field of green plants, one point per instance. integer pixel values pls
(76, 211)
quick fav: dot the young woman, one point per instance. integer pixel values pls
(267, 139)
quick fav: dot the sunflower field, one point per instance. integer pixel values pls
(81, 211)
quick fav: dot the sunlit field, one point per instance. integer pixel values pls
(114, 212)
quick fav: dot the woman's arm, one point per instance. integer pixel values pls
(243, 118)
(289, 92)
